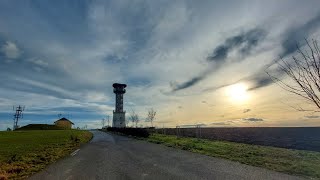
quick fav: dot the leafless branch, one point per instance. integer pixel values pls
(151, 116)
(134, 118)
(305, 73)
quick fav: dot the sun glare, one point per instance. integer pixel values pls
(238, 92)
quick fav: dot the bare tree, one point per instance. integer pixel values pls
(137, 120)
(103, 122)
(304, 71)
(128, 121)
(131, 117)
(151, 116)
(134, 118)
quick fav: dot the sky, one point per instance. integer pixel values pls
(194, 62)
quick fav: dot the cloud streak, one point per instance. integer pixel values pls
(71, 52)
(242, 43)
(289, 44)
(252, 119)
(294, 35)
(189, 83)
(312, 117)
(220, 124)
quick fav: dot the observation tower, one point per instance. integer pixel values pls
(119, 117)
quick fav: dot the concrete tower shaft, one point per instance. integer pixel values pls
(119, 91)
(119, 114)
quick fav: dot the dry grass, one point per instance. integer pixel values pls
(24, 153)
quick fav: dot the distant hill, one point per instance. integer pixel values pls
(39, 127)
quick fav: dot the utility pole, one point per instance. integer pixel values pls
(17, 116)
(178, 131)
(103, 122)
(108, 119)
(163, 130)
(198, 130)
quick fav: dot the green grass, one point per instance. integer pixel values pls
(296, 162)
(23, 153)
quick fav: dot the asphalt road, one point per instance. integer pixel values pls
(116, 157)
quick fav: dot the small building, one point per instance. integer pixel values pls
(64, 123)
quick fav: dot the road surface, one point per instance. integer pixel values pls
(109, 156)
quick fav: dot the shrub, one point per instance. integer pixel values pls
(137, 132)
(75, 138)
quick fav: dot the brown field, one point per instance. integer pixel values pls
(303, 138)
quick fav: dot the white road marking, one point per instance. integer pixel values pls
(75, 152)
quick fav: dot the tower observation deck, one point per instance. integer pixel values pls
(119, 119)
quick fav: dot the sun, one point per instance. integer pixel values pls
(238, 92)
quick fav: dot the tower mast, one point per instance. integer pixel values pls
(17, 116)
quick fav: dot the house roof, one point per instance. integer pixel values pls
(64, 119)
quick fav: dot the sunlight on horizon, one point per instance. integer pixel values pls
(238, 93)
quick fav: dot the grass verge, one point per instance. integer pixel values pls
(23, 153)
(295, 162)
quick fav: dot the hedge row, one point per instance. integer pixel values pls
(138, 132)
(39, 127)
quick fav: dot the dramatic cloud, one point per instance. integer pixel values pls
(243, 43)
(69, 53)
(191, 82)
(252, 119)
(262, 79)
(295, 35)
(289, 45)
(10, 50)
(257, 80)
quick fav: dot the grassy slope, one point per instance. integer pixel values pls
(23, 153)
(297, 162)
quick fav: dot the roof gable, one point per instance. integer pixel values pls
(64, 119)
